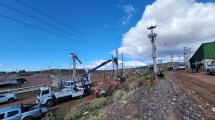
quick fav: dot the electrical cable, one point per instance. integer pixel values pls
(39, 20)
(58, 21)
(39, 28)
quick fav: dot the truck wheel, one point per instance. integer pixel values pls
(28, 118)
(80, 96)
(10, 100)
(49, 103)
(208, 72)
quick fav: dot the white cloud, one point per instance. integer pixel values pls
(180, 23)
(129, 13)
(133, 64)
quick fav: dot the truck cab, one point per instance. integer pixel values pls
(47, 97)
(69, 84)
(44, 95)
(22, 112)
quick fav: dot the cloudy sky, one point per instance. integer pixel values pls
(180, 23)
(40, 34)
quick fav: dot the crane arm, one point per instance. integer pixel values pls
(81, 63)
(92, 70)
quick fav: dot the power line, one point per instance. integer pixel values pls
(42, 29)
(58, 21)
(38, 19)
(39, 28)
(51, 17)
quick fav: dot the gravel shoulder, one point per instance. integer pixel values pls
(163, 101)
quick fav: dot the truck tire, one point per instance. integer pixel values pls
(49, 103)
(10, 100)
(81, 96)
(28, 118)
(208, 72)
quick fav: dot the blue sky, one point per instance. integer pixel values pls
(94, 28)
(98, 22)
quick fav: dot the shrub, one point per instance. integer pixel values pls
(98, 115)
(118, 95)
(77, 111)
(136, 115)
(132, 86)
(97, 103)
(49, 116)
(140, 82)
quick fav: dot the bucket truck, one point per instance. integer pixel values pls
(69, 83)
(48, 97)
(85, 83)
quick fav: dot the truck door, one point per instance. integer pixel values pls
(44, 96)
(13, 115)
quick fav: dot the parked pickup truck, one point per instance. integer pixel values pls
(22, 112)
(10, 97)
(211, 69)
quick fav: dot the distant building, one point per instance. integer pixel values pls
(204, 55)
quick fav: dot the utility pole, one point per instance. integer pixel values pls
(50, 67)
(122, 67)
(117, 62)
(70, 70)
(73, 56)
(179, 58)
(171, 58)
(186, 57)
(152, 38)
(113, 66)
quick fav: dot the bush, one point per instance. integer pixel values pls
(118, 95)
(136, 115)
(77, 111)
(132, 86)
(140, 83)
(97, 103)
(99, 115)
(49, 116)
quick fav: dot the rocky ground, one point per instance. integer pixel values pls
(166, 100)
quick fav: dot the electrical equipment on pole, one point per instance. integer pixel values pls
(152, 38)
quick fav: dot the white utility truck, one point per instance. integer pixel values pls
(69, 83)
(48, 97)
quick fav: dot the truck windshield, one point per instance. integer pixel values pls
(68, 83)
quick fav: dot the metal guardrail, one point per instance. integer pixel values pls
(21, 90)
